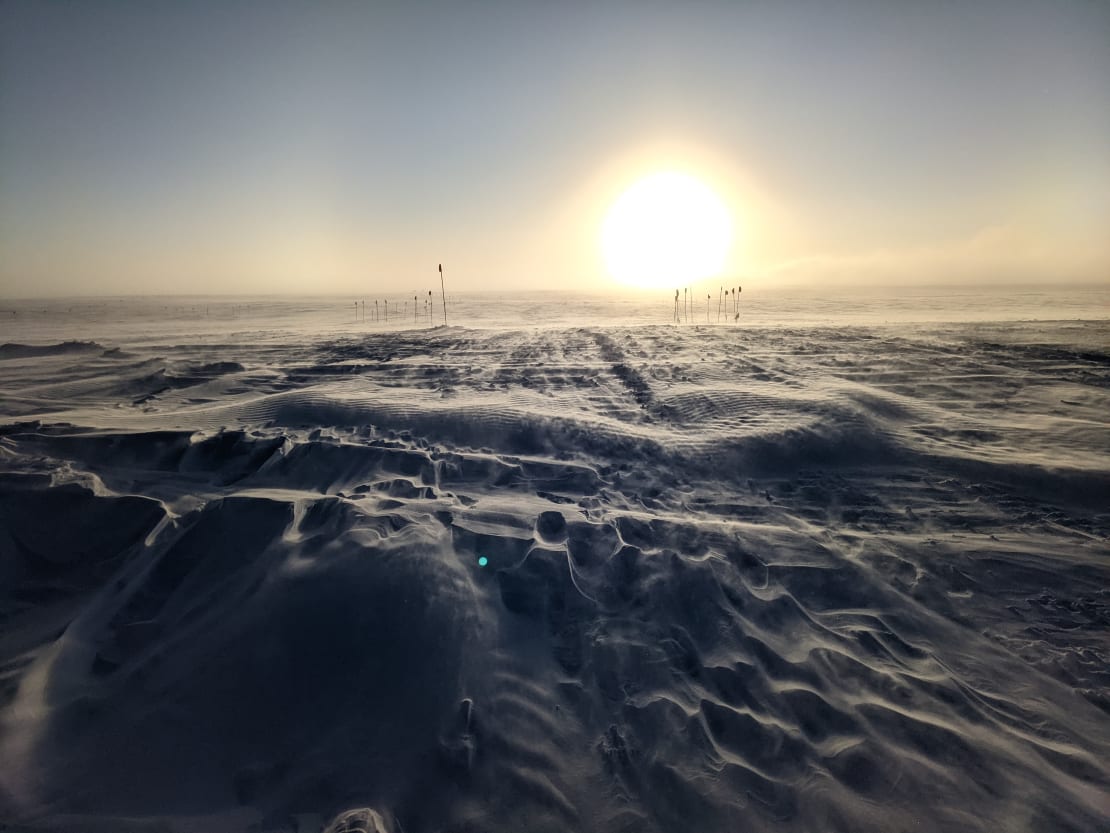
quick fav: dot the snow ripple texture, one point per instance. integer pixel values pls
(578, 578)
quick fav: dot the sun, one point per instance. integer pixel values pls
(667, 230)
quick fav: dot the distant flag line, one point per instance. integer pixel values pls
(728, 302)
(381, 307)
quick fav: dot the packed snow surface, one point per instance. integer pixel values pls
(561, 565)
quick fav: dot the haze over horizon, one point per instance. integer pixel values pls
(293, 148)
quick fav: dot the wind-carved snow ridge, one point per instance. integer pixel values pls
(581, 578)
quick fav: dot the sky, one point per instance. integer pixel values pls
(247, 147)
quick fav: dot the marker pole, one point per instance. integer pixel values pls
(443, 294)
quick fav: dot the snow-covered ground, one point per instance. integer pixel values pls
(558, 566)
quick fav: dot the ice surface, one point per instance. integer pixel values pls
(798, 573)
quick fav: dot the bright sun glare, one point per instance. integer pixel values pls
(667, 230)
